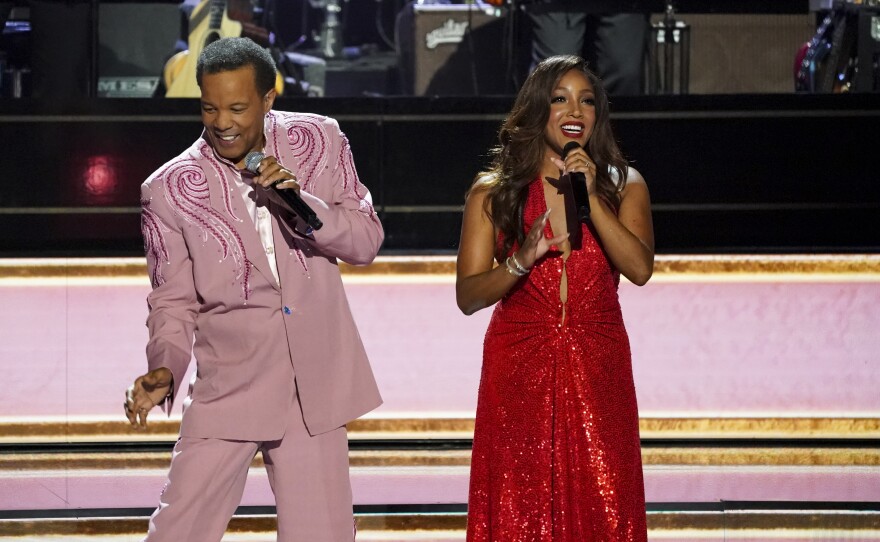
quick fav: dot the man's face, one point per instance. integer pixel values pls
(233, 112)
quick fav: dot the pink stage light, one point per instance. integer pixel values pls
(99, 179)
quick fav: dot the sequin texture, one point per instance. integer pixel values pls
(556, 453)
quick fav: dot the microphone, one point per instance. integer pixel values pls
(578, 187)
(301, 208)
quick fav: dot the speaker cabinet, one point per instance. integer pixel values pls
(451, 49)
(733, 54)
(135, 39)
(61, 42)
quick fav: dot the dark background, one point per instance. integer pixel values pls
(732, 173)
(743, 173)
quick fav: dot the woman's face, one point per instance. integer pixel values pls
(572, 112)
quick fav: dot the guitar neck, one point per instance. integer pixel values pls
(217, 9)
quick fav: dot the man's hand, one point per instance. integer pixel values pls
(270, 173)
(147, 391)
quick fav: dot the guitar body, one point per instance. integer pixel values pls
(210, 21)
(180, 70)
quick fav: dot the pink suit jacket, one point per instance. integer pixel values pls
(258, 343)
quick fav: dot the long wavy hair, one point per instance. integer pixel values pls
(517, 160)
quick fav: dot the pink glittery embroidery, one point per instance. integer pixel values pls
(206, 151)
(309, 143)
(346, 162)
(271, 127)
(155, 247)
(350, 179)
(301, 258)
(186, 190)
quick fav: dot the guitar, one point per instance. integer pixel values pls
(827, 62)
(209, 22)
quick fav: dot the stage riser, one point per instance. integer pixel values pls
(39, 490)
(715, 529)
(704, 346)
(795, 526)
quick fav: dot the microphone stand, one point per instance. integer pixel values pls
(331, 30)
(510, 76)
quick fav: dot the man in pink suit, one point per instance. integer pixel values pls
(255, 294)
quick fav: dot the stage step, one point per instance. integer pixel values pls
(105, 464)
(789, 480)
(53, 476)
(754, 377)
(754, 521)
(75, 429)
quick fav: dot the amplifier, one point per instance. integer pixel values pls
(452, 49)
(135, 40)
(745, 53)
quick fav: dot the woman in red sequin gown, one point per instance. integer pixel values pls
(556, 454)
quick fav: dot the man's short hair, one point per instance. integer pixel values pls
(228, 54)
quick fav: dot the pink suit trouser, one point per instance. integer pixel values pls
(308, 475)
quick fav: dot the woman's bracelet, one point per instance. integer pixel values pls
(518, 265)
(514, 267)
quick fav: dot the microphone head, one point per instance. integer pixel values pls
(252, 162)
(568, 148)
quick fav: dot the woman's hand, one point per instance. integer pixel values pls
(577, 160)
(536, 244)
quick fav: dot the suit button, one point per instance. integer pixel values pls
(287, 310)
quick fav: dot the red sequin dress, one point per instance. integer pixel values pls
(556, 454)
